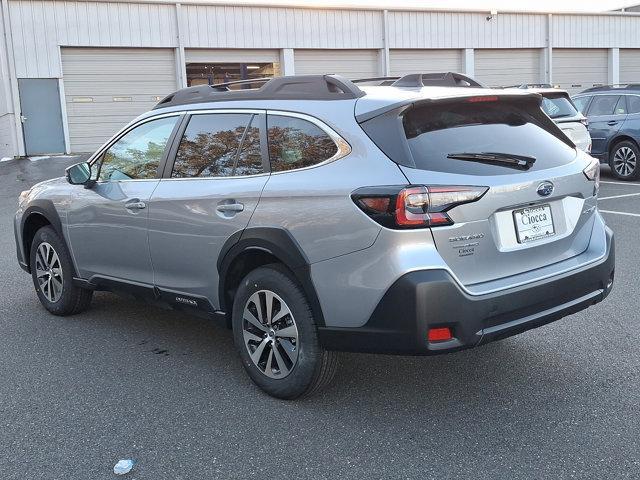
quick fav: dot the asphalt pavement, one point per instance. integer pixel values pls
(125, 380)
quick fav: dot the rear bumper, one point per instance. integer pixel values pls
(427, 299)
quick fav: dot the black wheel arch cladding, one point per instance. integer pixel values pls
(45, 209)
(277, 242)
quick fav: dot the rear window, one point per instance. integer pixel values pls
(435, 132)
(558, 107)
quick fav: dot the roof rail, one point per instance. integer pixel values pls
(628, 86)
(524, 86)
(307, 87)
(442, 79)
(382, 81)
(224, 87)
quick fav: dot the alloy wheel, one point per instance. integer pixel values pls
(624, 161)
(270, 334)
(49, 272)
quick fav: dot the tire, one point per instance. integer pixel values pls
(308, 368)
(53, 276)
(624, 160)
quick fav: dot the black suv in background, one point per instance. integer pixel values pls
(613, 113)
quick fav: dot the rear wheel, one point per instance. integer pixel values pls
(51, 271)
(275, 333)
(624, 160)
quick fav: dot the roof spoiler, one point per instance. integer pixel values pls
(475, 97)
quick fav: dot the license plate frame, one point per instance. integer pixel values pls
(542, 229)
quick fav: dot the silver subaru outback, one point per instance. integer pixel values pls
(314, 215)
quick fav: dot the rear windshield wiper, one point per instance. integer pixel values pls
(520, 162)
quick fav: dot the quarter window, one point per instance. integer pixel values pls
(219, 145)
(634, 103)
(137, 155)
(297, 143)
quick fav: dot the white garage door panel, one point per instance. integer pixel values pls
(629, 65)
(231, 56)
(350, 63)
(577, 69)
(105, 88)
(508, 66)
(404, 62)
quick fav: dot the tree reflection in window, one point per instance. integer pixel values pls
(209, 147)
(297, 143)
(137, 154)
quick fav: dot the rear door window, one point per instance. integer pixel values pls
(219, 145)
(435, 133)
(603, 105)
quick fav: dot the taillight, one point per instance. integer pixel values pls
(592, 172)
(414, 206)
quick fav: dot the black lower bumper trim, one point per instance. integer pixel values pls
(427, 299)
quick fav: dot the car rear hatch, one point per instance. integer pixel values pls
(539, 207)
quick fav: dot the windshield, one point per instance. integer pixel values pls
(558, 107)
(434, 132)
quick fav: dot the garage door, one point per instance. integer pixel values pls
(508, 66)
(105, 88)
(350, 63)
(210, 66)
(577, 69)
(629, 65)
(403, 62)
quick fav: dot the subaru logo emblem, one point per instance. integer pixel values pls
(545, 189)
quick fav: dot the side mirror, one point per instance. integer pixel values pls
(79, 174)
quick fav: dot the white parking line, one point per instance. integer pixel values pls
(620, 183)
(620, 196)
(621, 213)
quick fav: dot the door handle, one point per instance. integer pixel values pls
(612, 122)
(230, 207)
(135, 205)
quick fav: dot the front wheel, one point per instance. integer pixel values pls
(275, 333)
(51, 270)
(624, 160)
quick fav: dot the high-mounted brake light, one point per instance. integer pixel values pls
(491, 98)
(414, 206)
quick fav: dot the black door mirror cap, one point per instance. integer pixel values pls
(80, 174)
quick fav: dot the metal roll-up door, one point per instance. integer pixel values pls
(629, 65)
(105, 88)
(406, 61)
(505, 67)
(349, 63)
(575, 69)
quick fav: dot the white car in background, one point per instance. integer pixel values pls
(558, 105)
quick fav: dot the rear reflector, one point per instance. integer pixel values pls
(439, 334)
